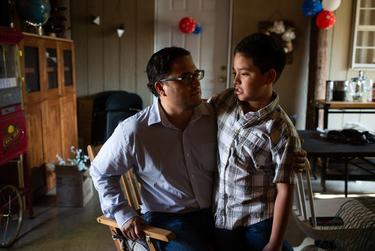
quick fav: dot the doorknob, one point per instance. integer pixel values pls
(222, 79)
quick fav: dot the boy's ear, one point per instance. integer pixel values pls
(271, 76)
(159, 88)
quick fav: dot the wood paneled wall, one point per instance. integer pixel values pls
(104, 61)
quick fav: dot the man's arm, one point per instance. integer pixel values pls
(112, 161)
(114, 205)
(283, 205)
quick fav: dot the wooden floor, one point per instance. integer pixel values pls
(73, 229)
(68, 229)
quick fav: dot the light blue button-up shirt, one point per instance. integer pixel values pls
(175, 168)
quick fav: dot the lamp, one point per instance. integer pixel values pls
(95, 20)
(120, 30)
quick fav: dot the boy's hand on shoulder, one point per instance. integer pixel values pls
(299, 161)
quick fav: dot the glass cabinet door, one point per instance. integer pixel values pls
(51, 57)
(32, 69)
(8, 66)
(68, 67)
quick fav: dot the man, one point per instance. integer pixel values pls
(171, 146)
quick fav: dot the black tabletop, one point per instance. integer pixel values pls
(317, 146)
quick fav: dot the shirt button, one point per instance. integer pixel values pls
(188, 155)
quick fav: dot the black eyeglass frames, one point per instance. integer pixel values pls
(187, 78)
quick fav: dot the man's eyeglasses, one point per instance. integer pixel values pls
(188, 77)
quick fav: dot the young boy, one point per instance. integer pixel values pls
(256, 143)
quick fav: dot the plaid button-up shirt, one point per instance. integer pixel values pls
(255, 152)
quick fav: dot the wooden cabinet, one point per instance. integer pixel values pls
(49, 98)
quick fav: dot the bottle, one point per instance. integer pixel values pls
(356, 88)
(366, 87)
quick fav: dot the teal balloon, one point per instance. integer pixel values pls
(34, 12)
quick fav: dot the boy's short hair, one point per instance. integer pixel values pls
(159, 65)
(265, 51)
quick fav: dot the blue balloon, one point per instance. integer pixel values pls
(311, 7)
(198, 29)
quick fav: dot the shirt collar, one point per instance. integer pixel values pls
(261, 113)
(157, 114)
(154, 117)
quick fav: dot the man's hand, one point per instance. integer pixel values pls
(271, 247)
(300, 161)
(133, 228)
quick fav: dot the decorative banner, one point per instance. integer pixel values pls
(331, 5)
(325, 19)
(187, 25)
(311, 7)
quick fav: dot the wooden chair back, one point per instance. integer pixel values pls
(131, 188)
(128, 181)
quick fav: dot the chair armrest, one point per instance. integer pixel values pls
(153, 232)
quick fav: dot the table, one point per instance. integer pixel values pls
(340, 107)
(316, 146)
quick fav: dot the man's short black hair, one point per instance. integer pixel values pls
(159, 65)
(265, 51)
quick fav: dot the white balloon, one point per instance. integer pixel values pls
(331, 5)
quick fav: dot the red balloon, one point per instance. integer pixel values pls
(325, 19)
(187, 25)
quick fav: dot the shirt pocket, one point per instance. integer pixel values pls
(253, 155)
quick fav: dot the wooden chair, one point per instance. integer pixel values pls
(131, 188)
(346, 223)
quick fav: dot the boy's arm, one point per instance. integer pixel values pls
(283, 205)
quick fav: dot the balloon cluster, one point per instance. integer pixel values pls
(188, 25)
(325, 18)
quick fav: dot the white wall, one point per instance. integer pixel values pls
(292, 86)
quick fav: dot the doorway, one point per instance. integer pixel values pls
(210, 48)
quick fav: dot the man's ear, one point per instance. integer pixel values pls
(271, 76)
(159, 88)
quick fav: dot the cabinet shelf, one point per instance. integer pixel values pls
(51, 69)
(366, 47)
(366, 28)
(29, 70)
